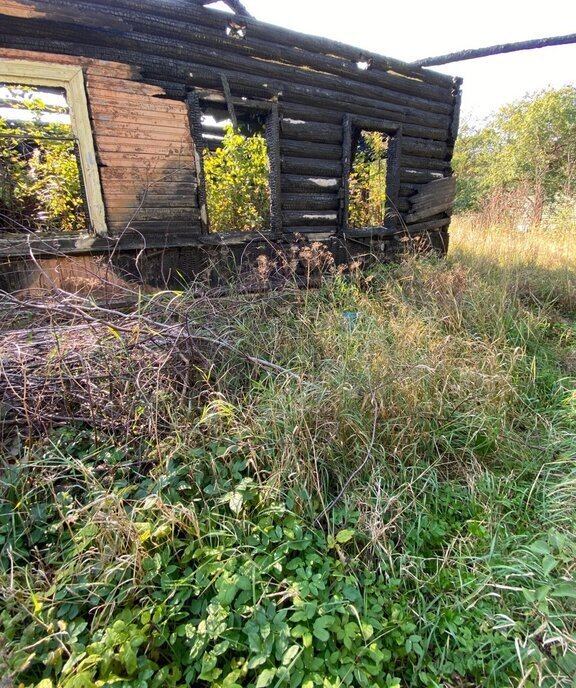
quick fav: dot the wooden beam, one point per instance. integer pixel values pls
(475, 53)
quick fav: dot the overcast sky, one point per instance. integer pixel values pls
(416, 29)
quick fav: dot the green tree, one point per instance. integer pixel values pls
(527, 148)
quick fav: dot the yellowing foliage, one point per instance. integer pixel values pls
(367, 182)
(237, 184)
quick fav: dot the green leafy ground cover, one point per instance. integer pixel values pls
(396, 511)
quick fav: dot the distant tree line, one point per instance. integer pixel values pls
(520, 165)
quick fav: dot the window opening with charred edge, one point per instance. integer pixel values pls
(236, 167)
(365, 63)
(370, 174)
(367, 180)
(41, 187)
(236, 29)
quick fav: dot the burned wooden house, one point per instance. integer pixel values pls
(150, 90)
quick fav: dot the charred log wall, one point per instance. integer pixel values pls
(143, 60)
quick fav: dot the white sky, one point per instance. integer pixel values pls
(16, 115)
(419, 28)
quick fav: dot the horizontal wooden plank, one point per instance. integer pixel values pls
(426, 212)
(155, 227)
(107, 101)
(174, 214)
(156, 164)
(134, 174)
(105, 84)
(166, 120)
(117, 144)
(152, 200)
(423, 147)
(423, 163)
(144, 130)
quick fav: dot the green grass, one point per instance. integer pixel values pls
(395, 507)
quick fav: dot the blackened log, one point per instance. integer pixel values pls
(309, 218)
(300, 130)
(308, 166)
(347, 154)
(393, 179)
(151, 43)
(182, 10)
(305, 201)
(423, 147)
(195, 122)
(455, 123)
(235, 5)
(303, 149)
(292, 183)
(418, 176)
(215, 36)
(475, 53)
(422, 163)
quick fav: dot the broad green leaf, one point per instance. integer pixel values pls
(236, 502)
(549, 563)
(567, 589)
(290, 654)
(344, 536)
(265, 678)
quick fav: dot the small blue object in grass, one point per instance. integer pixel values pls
(350, 318)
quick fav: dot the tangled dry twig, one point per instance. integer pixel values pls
(113, 370)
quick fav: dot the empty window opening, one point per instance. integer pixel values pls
(236, 170)
(365, 63)
(367, 181)
(41, 189)
(235, 29)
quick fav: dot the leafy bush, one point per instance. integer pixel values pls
(237, 183)
(367, 181)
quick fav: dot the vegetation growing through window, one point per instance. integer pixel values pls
(40, 183)
(367, 181)
(237, 181)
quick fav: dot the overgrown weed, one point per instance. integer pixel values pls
(395, 509)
